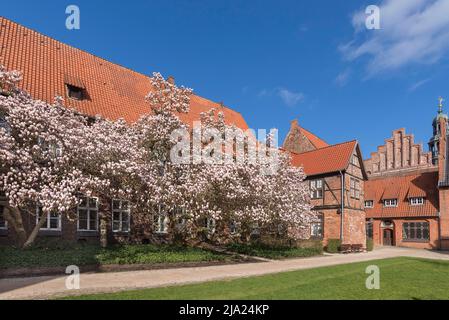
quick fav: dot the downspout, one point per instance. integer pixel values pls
(343, 190)
(439, 230)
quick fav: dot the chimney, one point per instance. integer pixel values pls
(294, 123)
(171, 80)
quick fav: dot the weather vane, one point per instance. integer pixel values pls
(440, 105)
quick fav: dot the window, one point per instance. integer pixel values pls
(316, 228)
(316, 189)
(369, 229)
(121, 216)
(233, 227)
(53, 149)
(369, 204)
(390, 202)
(76, 93)
(53, 222)
(355, 160)
(3, 223)
(355, 188)
(415, 231)
(209, 224)
(255, 229)
(88, 214)
(416, 201)
(161, 220)
(4, 124)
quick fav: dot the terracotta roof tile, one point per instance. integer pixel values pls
(329, 159)
(417, 184)
(114, 91)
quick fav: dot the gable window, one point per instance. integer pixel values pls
(75, 92)
(53, 221)
(161, 221)
(390, 202)
(418, 201)
(415, 231)
(88, 214)
(355, 188)
(369, 204)
(316, 189)
(355, 160)
(3, 223)
(121, 216)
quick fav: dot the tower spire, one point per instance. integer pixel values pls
(440, 105)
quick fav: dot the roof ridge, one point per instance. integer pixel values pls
(73, 47)
(329, 146)
(148, 77)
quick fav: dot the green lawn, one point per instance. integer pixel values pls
(401, 278)
(42, 256)
(276, 252)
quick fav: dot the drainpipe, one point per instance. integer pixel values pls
(343, 189)
(439, 230)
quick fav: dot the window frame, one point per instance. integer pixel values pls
(71, 88)
(2, 217)
(390, 203)
(48, 221)
(120, 211)
(88, 209)
(417, 198)
(317, 192)
(415, 226)
(161, 219)
(370, 201)
(354, 188)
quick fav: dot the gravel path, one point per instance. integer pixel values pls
(54, 286)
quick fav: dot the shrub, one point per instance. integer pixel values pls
(369, 244)
(333, 245)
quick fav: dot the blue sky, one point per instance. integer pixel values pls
(274, 61)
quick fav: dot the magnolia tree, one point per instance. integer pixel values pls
(50, 155)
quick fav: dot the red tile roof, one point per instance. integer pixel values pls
(114, 91)
(329, 159)
(403, 187)
(316, 141)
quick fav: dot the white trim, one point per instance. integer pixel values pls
(120, 211)
(87, 208)
(416, 201)
(370, 206)
(392, 203)
(47, 222)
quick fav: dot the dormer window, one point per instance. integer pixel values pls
(417, 201)
(390, 202)
(369, 204)
(75, 93)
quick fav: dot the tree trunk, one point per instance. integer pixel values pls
(32, 237)
(14, 218)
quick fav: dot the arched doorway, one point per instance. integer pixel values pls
(388, 237)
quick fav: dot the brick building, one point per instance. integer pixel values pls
(92, 86)
(336, 175)
(406, 196)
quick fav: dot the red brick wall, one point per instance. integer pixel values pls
(398, 241)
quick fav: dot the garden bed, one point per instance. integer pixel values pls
(275, 252)
(49, 260)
